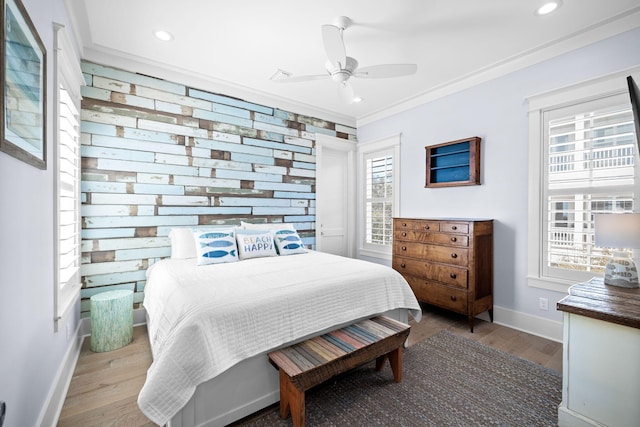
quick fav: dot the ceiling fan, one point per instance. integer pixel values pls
(340, 67)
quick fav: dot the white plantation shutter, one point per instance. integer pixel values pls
(379, 195)
(379, 198)
(590, 167)
(68, 174)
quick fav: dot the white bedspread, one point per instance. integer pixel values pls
(205, 319)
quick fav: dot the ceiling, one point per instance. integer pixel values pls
(234, 47)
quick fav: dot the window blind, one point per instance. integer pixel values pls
(379, 199)
(590, 168)
(68, 81)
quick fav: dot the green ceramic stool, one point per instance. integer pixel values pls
(111, 320)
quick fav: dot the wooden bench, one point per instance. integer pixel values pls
(311, 362)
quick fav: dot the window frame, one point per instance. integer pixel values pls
(384, 146)
(614, 84)
(68, 74)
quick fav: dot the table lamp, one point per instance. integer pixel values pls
(619, 231)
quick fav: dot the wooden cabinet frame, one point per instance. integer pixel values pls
(453, 163)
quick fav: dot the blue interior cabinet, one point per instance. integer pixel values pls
(453, 163)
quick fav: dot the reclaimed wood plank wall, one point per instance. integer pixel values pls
(158, 154)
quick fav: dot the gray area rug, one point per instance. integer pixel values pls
(448, 380)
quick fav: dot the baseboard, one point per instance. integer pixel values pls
(545, 328)
(51, 410)
(568, 418)
(534, 325)
(139, 318)
(55, 401)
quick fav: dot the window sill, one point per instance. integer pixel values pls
(551, 284)
(381, 254)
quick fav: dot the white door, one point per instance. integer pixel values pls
(335, 195)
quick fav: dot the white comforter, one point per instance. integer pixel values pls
(205, 319)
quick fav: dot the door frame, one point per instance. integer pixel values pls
(349, 148)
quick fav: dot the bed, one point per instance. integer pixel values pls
(210, 326)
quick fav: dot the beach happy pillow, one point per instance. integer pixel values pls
(215, 246)
(255, 243)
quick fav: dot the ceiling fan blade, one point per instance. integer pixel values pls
(385, 71)
(334, 45)
(297, 79)
(346, 93)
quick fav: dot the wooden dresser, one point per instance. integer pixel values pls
(447, 262)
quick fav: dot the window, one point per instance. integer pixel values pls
(379, 199)
(583, 162)
(380, 185)
(68, 80)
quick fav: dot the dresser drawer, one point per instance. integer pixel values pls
(428, 237)
(448, 274)
(454, 227)
(439, 295)
(409, 224)
(443, 254)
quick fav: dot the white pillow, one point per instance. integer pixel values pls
(255, 243)
(288, 242)
(215, 246)
(182, 243)
(269, 226)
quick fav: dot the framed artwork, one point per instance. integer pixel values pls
(23, 103)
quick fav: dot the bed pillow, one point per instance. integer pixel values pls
(215, 246)
(182, 243)
(255, 243)
(288, 242)
(269, 226)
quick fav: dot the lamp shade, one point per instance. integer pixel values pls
(618, 230)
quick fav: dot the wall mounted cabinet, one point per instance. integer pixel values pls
(453, 163)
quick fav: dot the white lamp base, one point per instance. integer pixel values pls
(621, 271)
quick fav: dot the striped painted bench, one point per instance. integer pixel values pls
(311, 362)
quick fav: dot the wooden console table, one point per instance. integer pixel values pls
(601, 356)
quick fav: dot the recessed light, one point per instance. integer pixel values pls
(357, 99)
(163, 35)
(548, 7)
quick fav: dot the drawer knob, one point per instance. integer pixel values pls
(404, 234)
(404, 224)
(403, 265)
(453, 227)
(452, 275)
(404, 248)
(454, 239)
(427, 227)
(454, 255)
(453, 297)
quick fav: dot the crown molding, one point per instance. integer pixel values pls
(618, 24)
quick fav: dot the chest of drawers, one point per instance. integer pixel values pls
(447, 262)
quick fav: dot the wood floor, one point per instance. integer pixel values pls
(105, 386)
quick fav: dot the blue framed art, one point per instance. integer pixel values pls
(23, 74)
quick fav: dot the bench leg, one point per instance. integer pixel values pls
(395, 359)
(291, 401)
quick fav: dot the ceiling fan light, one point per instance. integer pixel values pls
(340, 77)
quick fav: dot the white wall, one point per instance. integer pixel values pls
(497, 112)
(31, 354)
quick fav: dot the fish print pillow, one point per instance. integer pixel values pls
(215, 246)
(288, 242)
